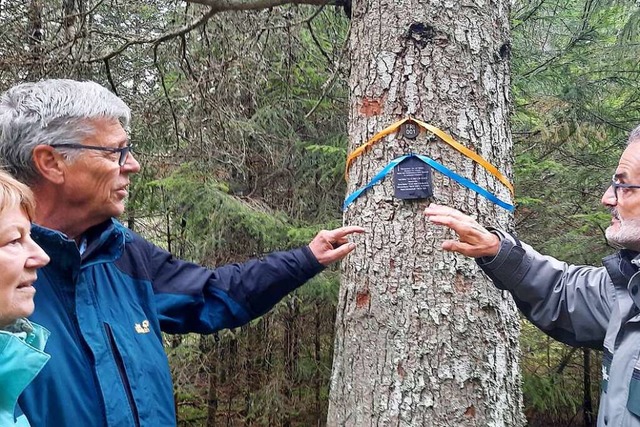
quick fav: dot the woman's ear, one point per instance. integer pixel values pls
(49, 163)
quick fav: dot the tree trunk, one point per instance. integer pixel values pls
(586, 378)
(35, 39)
(317, 357)
(422, 337)
(290, 357)
(213, 399)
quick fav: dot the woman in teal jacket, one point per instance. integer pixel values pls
(21, 342)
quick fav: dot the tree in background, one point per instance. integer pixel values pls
(240, 123)
(422, 337)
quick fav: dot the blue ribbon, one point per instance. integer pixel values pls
(437, 166)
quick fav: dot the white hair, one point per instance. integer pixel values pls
(48, 112)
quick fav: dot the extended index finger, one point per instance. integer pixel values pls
(439, 210)
(339, 233)
(455, 224)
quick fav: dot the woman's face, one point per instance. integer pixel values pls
(19, 258)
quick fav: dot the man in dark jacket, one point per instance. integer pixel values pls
(108, 293)
(576, 304)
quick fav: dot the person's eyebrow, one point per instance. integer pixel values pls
(621, 175)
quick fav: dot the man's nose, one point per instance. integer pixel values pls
(131, 164)
(609, 197)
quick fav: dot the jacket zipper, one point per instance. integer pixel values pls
(69, 310)
(122, 372)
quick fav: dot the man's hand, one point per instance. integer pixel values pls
(331, 246)
(474, 240)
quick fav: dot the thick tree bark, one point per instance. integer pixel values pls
(422, 337)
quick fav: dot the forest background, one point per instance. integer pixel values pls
(240, 125)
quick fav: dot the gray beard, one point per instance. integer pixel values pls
(627, 236)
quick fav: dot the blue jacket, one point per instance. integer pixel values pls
(107, 307)
(21, 358)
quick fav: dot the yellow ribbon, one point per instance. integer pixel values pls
(355, 153)
(442, 135)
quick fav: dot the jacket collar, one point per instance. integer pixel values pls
(621, 266)
(105, 242)
(21, 359)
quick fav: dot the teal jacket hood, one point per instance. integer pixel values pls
(22, 357)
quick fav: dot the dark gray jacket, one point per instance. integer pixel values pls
(596, 307)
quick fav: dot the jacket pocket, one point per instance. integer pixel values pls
(122, 371)
(633, 402)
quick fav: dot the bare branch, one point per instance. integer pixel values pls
(215, 6)
(315, 39)
(225, 5)
(329, 84)
(166, 94)
(110, 77)
(303, 21)
(157, 40)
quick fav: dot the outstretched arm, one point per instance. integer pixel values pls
(191, 298)
(572, 303)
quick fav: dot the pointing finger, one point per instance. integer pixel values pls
(342, 232)
(440, 210)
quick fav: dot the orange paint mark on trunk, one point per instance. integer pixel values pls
(470, 412)
(362, 299)
(371, 107)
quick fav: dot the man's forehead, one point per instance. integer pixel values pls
(629, 164)
(109, 129)
(104, 120)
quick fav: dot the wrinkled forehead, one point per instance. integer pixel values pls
(108, 130)
(629, 164)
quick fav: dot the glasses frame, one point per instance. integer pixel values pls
(123, 151)
(617, 185)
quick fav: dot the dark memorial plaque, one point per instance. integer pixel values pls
(412, 179)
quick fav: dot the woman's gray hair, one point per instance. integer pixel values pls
(48, 112)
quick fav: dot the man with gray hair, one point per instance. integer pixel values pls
(108, 293)
(596, 307)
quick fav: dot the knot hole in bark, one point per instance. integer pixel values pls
(423, 34)
(505, 51)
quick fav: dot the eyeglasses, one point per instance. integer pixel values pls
(616, 184)
(123, 151)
